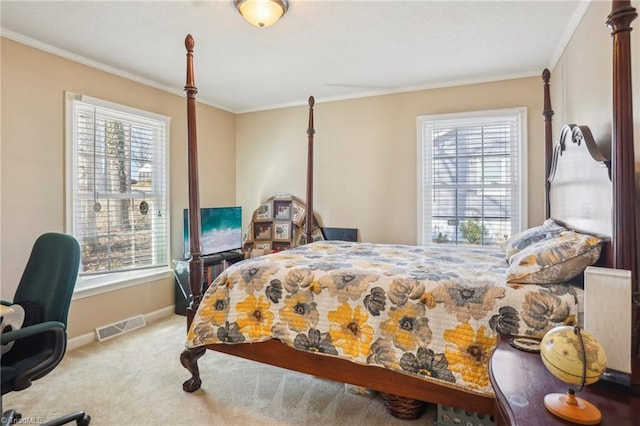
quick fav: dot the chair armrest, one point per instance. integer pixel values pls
(31, 330)
(24, 378)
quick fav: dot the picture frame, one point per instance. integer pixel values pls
(264, 212)
(279, 246)
(282, 231)
(248, 235)
(299, 238)
(283, 196)
(282, 209)
(262, 231)
(298, 211)
(316, 235)
(263, 245)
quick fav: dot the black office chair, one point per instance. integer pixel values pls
(44, 293)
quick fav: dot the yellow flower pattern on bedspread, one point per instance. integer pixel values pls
(432, 312)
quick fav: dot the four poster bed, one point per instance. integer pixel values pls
(425, 319)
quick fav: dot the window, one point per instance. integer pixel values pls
(117, 189)
(471, 184)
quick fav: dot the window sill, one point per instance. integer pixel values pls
(94, 285)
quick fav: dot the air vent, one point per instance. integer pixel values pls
(115, 329)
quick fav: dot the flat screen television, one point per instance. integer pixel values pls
(221, 230)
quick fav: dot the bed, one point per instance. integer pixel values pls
(380, 293)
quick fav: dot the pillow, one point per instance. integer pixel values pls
(554, 260)
(515, 243)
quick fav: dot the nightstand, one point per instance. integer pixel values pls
(521, 381)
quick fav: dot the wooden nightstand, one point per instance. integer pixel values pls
(521, 381)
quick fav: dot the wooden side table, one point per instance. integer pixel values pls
(520, 381)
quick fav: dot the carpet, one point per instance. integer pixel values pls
(136, 379)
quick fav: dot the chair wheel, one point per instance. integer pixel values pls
(84, 421)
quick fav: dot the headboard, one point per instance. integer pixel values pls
(580, 187)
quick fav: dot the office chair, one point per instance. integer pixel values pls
(39, 343)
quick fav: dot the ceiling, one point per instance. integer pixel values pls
(330, 49)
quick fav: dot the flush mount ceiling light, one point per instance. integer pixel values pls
(261, 13)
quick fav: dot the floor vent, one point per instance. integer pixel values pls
(118, 328)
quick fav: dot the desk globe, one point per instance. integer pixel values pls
(575, 357)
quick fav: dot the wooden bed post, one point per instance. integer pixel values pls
(196, 271)
(310, 133)
(189, 357)
(547, 113)
(622, 150)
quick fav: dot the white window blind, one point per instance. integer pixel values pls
(472, 172)
(118, 193)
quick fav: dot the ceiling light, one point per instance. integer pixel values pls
(261, 13)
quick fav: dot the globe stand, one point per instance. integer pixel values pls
(569, 407)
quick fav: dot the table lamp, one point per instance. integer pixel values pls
(575, 357)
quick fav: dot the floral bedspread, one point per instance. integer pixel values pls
(432, 312)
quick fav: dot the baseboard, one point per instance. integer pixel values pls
(79, 341)
(89, 338)
(159, 314)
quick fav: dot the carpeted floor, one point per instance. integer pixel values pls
(136, 379)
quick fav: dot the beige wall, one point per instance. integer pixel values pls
(33, 173)
(365, 154)
(581, 82)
